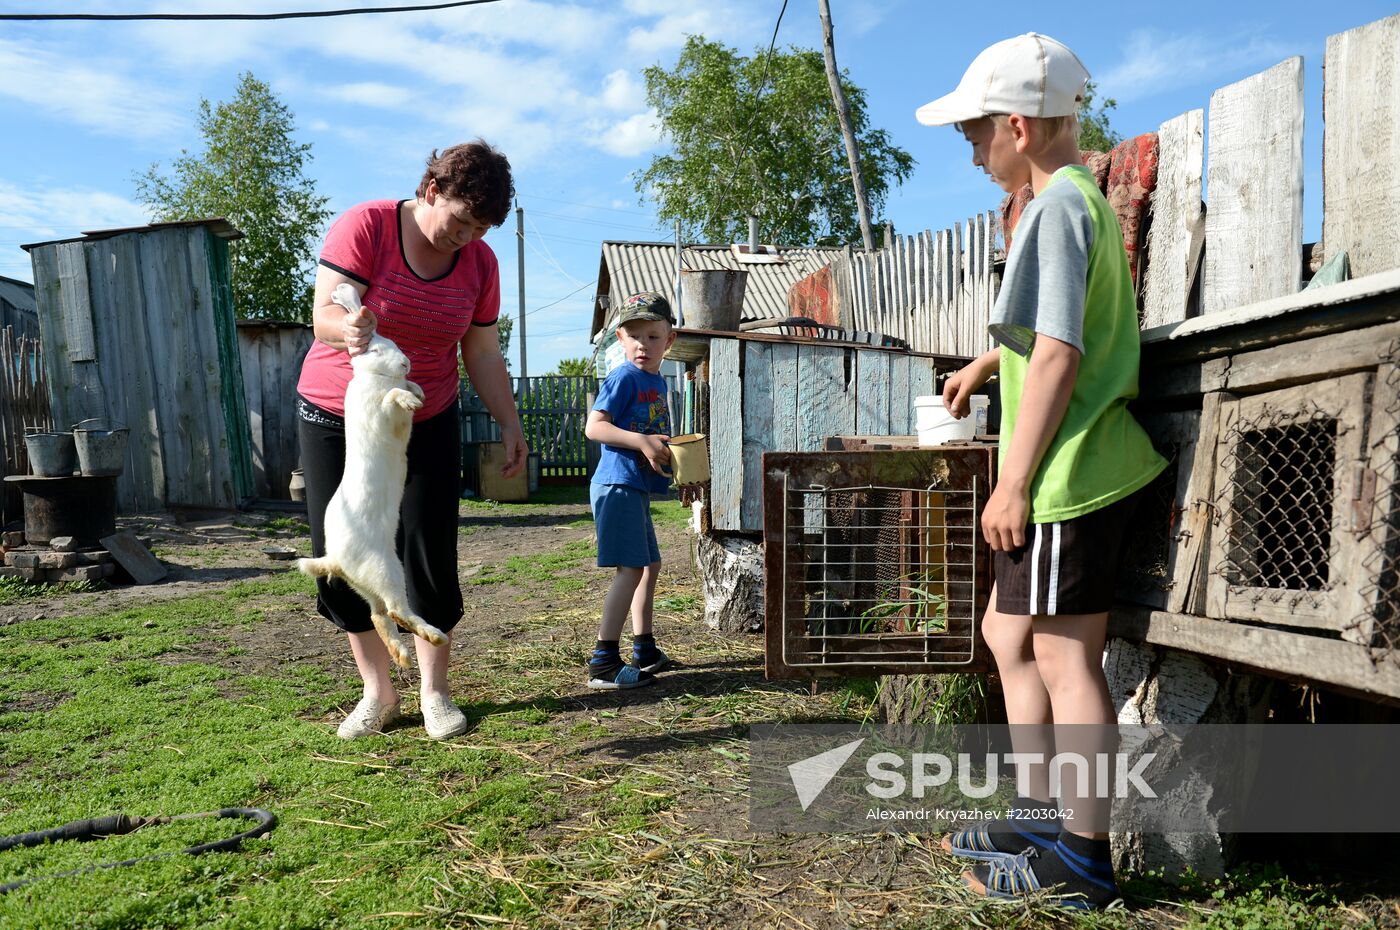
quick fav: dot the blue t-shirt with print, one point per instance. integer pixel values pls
(636, 401)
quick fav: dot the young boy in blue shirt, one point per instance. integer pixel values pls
(1072, 461)
(631, 421)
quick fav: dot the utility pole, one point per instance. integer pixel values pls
(520, 254)
(843, 113)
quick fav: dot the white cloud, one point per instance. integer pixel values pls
(58, 211)
(622, 91)
(630, 137)
(96, 94)
(649, 42)
(1154, 62)
(371, 94)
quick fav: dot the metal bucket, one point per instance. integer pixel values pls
(101, 447)
(51, 455)
(712, 298)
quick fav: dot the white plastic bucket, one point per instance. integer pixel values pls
(936, 426)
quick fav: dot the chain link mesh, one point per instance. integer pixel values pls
(1279, 469)
(1378, 624)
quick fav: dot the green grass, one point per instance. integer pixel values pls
(103, 713)
(539, 568)
(16, 591)
(670, 513)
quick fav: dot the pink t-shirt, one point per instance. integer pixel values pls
(427, 318)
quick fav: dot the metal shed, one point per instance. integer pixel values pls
(138, 329)
(630, 267)
(17, 307)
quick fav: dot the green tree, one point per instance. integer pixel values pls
(251, 172)
(1095, 133)
(749, 135)
(574, 367)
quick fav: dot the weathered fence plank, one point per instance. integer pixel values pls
(1361, 147)
(1176, 209)
(726, 435)
(1254, 224)
(872, 392)
(757, 428)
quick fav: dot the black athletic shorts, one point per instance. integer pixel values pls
(1065, 568)
(427, 538)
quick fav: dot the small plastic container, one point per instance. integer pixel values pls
(936, 426)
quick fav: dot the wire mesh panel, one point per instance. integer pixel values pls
(1376, 619)
(875, 561)
(1287, 551)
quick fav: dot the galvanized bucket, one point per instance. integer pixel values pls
(101, 447)
(51, 455)
(712, 298)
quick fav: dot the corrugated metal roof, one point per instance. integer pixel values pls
(651, 266)
(17, 294)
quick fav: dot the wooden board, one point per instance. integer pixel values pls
(726, 432)
(757, 430)
(74, 301)
(1361, 146)
(1176, 209)
(1196, 491)
(872, 393)
(1254, 223)
(901, 404)
(1281, 653)
(826, 405)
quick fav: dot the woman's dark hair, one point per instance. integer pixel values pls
(475, 173)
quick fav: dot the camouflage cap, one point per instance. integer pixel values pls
(648, 305)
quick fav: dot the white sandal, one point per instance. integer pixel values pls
(442, 718)
(368, 717)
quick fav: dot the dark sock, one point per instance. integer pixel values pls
(606, 662)
(644, 651)
(1015, 834)
(1080, 867)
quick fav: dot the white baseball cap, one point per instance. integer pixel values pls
(1032, 75)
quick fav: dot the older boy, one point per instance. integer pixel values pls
(630, 419)
(1072, 457)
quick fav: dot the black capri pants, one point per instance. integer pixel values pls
(427, 537)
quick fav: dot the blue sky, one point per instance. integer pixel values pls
(557, 85)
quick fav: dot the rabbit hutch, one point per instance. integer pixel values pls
(1263, 571)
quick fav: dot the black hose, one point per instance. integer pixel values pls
(120, 824)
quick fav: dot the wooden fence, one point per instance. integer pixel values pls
(24, 402)
(553, 412)
(271, 354)
(933, 290)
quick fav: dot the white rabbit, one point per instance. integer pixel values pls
(362, 517)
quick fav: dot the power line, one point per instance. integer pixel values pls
(589, 206)
(302, 14)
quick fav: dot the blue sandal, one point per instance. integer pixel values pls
(1013, 878)
(975, 842)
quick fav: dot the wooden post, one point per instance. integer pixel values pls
(520, 256)
(843, 113)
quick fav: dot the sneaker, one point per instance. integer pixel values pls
(442, 718)
(629, 676)
(659, 664)
(369, 716)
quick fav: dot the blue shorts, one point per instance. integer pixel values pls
(622, 518)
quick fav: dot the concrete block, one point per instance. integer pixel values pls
(26, 558)
(63, 544)
(12, 538)
(108, 568)
(78, 573)
(58, 559)
(94, 557)
(9, 571)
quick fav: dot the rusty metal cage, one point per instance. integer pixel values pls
(875, 561)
